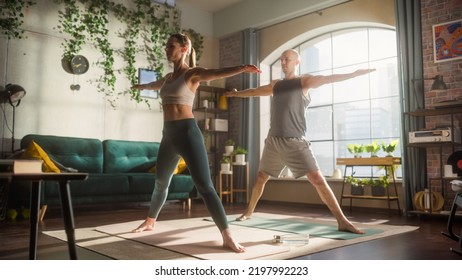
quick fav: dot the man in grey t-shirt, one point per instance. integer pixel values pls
(286, 145)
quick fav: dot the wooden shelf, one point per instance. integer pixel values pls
(435, 112)
(427, 112)
(432, 144)
(372, 161)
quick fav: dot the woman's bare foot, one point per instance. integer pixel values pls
(349, 227)
(243, 217)
(148, 224)
(229, 242)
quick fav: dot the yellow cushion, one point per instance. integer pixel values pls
(35, 151)
(179, 168)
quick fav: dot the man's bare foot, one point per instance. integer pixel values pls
(147, 225)
(229, 242)
(243, 217)
(348, 227)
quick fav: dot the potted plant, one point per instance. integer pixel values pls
(378, 186)
(390, 147)
(356, 149)
(229, 147)
(373, 148)
(239, 154)
(225, 164)
(356, 184)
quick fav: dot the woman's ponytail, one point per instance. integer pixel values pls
(192, 58)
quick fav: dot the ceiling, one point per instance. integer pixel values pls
(211, 6)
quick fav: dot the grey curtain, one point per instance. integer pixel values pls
(409, 35)
(250, 107)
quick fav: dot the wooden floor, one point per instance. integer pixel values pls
(426, 243)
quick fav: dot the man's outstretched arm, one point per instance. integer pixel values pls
(266, 90)
(317, 81)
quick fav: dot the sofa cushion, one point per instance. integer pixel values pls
(121, 156)
(141, 183)
(82, 154)
(181, 187)
(35, 151)
(180, 168)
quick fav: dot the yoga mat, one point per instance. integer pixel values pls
(300, 226)
(198, 238)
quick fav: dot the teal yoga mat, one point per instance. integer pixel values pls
(301, 227)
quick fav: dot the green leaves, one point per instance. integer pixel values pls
(147, 26)
(391, 147)
(11, 17)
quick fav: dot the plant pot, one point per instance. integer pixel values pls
(378, 191)
(229, 150)
(225, 167)
(357, 190)
(239, 159)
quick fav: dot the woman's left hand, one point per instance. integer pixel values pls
(249, 68)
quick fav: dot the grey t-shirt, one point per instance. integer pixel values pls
(288, 107)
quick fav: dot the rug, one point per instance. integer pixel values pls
(198, 238)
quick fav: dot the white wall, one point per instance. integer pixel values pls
(51, 107)
(201, 21)
(263, 13)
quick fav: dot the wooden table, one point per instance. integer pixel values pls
(63, 180)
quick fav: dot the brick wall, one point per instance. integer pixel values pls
(230, 55)
(436, 12)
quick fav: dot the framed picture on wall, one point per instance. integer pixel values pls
(447, 41)
(146, 76)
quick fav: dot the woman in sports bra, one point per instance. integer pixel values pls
(181, 135)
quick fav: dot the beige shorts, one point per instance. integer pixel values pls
(295, 153)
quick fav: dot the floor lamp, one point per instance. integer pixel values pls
(13, 94)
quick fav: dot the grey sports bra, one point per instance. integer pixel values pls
(177, 92)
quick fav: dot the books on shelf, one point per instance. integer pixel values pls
(21, 166)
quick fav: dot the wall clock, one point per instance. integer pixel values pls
(79, 64)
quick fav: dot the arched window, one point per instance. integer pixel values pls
(357, 111)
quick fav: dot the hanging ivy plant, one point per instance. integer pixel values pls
(70, 22)
(96, 23)
(129, 51)
(11, 17)
(148, 23)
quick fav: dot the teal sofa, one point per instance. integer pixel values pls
(118, 172)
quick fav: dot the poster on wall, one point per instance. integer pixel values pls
(447, 41)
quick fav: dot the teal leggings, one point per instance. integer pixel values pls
(184, 138)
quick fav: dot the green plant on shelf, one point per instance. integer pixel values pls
(353, 181)
(390, 147)
(382, 181)
(373, 148)
(225, 159)
(229, 142)
(356, 149)
(239, 151)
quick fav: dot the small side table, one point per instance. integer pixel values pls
(66, 204)
(225, 186)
